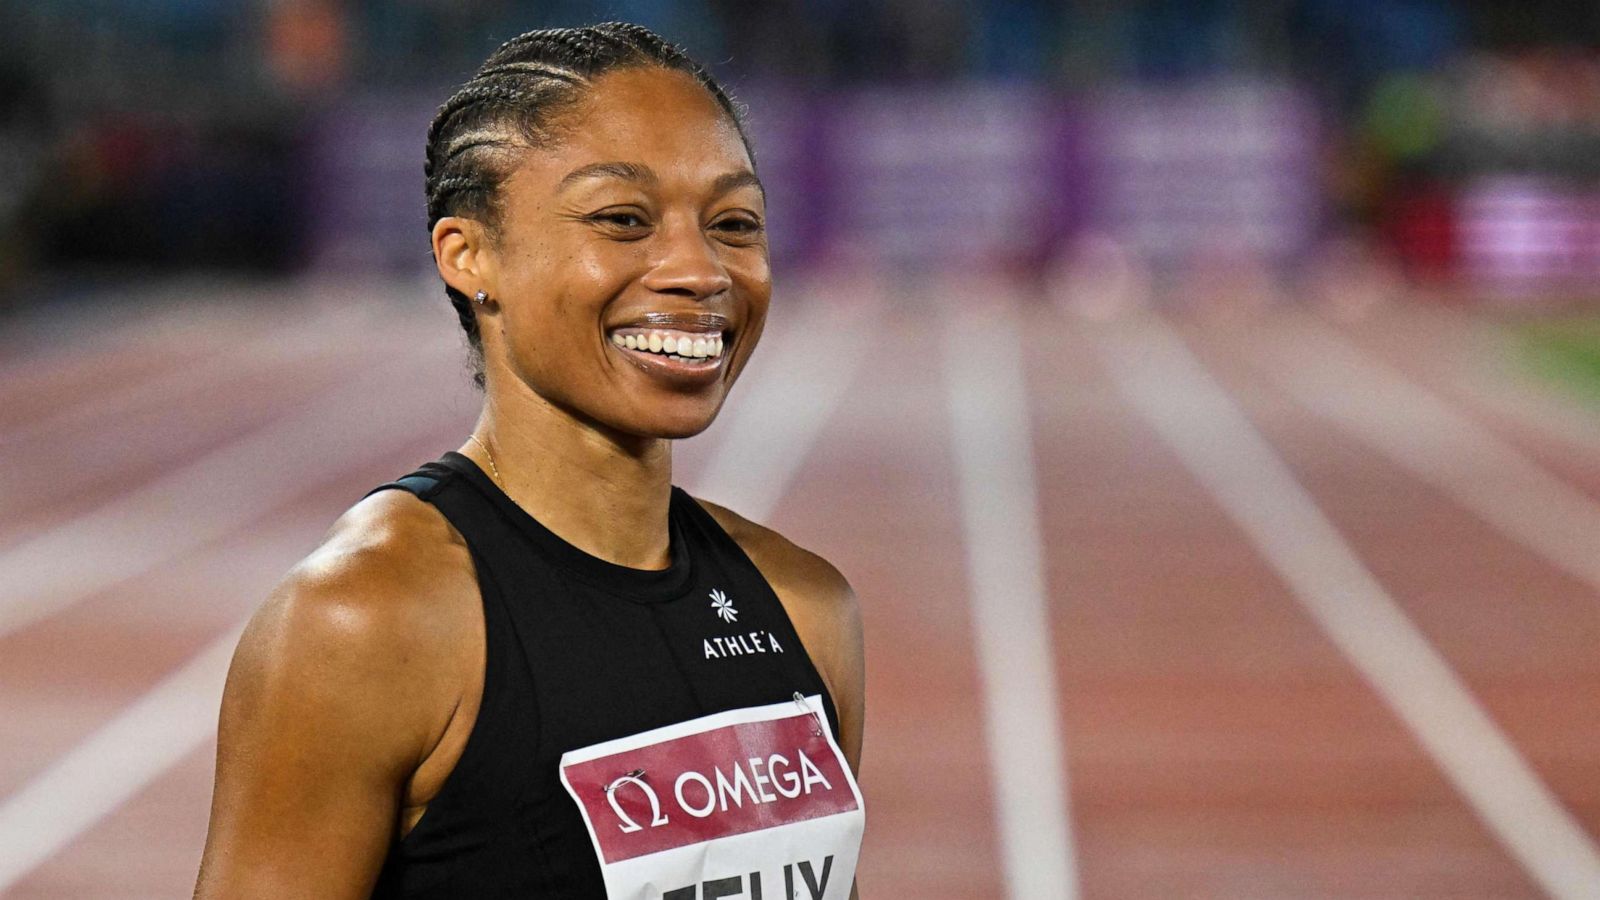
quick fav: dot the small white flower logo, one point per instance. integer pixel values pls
(723, 606)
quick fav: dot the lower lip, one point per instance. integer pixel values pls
(687, 372)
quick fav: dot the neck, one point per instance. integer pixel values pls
(605, 494)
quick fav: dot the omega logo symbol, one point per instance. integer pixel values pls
(628, 826)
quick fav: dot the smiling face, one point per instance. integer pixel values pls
(630, 267)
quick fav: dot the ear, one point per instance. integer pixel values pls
(463, 255)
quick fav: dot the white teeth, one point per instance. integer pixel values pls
(681, 346)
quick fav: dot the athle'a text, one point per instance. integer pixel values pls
(747, 644)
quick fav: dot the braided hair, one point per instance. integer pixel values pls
(511, 104)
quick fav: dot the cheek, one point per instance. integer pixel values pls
(592, 274)
(567, 289)
(754, 279)
(751, 271)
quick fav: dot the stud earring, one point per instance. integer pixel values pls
(481, 297)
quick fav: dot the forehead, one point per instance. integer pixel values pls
(660, 118)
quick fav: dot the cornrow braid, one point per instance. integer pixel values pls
(510, 104)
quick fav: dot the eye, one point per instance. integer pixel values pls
(738, 226)
(621, 220)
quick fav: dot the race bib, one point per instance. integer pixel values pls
(754, 803)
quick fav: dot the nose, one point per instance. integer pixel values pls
(688, 265)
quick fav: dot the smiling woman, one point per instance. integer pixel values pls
(533, 667)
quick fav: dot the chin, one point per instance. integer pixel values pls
(675, 434)
(681, 427)
(664, 421)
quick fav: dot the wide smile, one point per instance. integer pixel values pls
(679, 346)
(685, 349)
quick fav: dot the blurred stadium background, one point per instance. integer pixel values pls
(1206, 408)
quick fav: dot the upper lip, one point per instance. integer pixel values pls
(679, 321)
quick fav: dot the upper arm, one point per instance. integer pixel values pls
(828, 617)
(332, 700)
(825, 613)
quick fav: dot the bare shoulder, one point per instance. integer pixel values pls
(380, 586)
(379, 612)
(823, 607)
(785, 564)
(391, 551)
(345, 681)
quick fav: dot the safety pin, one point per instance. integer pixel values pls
(636, 773)
(816, 722)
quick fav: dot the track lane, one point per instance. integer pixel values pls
(991, 431)
(226, 582)
(38, 493)
(877, 498)
(72, 353)
(1521, 631)
(1226, 749)
(1518, 631)
(1473, 362)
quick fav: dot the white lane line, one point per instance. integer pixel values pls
(173, 718)
(281, 347)
(1215, 441)
(221, 491)
(168, 393)
(769, 428)
(988, 407)
(114, 763)
(1483, 365)
(1440, 446)
(180, 713)
(62, 341)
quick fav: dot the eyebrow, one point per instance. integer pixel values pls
(742, 178)
(625, 170)
(644, 175)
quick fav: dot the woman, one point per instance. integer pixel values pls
(534, 668)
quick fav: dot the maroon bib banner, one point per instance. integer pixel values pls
(733, 797)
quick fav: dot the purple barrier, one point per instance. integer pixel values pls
(1526, 235)
(1186, 173)
(786, 128)
(944, 178)
(947, 177)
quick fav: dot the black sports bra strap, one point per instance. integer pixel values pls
(418, 483)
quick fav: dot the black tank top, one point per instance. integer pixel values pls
(580, 650)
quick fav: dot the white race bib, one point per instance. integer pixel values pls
(754, 803)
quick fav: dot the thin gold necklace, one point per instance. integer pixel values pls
(489, 453)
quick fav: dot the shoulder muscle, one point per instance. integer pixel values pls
(340, 685)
